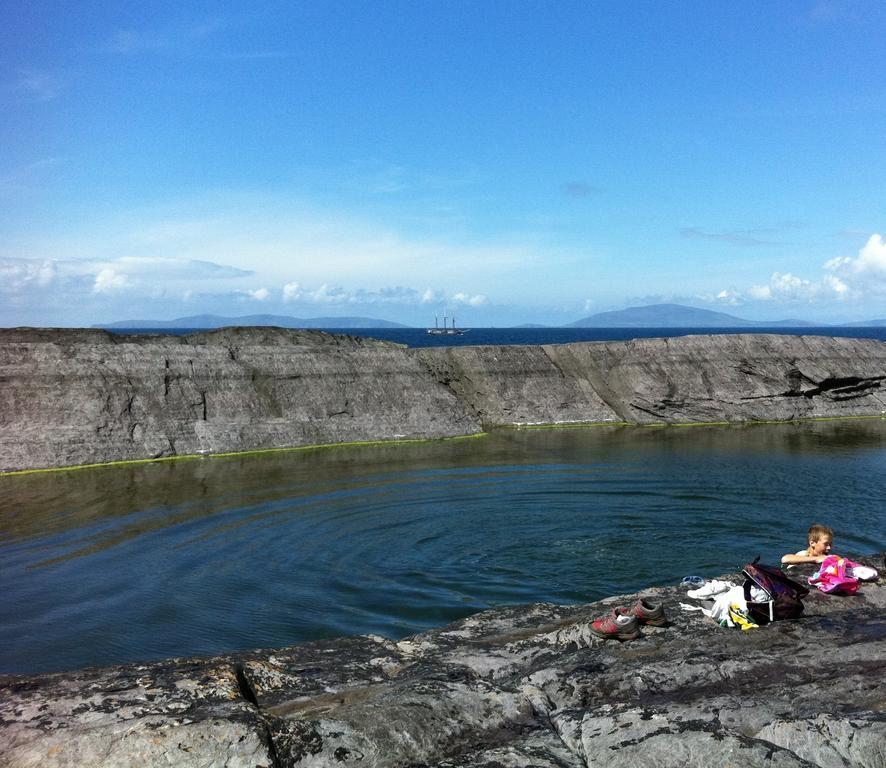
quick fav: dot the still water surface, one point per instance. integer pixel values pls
(204, 556)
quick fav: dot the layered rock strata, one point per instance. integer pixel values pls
(688, 379)
(73, 397)
(84, 397)
(516, 686)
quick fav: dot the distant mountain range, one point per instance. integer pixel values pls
(881, 323)
(280, 321)
(651, 316)
(680, 316)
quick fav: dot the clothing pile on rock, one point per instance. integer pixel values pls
(725, 603)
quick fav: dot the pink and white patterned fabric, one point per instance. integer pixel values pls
(834, 576)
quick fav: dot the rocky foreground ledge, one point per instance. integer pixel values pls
(71, 397)
(516, 686)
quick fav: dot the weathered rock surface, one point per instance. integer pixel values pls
(74, 397)
(515, 686)
(741, 377)
(85, 396)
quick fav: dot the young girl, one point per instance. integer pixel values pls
(820, 539)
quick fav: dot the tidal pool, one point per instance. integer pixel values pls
(140, 562)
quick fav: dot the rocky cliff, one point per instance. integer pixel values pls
(517, 686)
(73, 397)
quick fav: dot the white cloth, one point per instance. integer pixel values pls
(759, 595)
(709, 589)
(863, 573)
(718, 608)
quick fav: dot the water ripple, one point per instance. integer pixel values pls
(204, 557)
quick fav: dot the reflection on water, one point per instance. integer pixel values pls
(147, 561)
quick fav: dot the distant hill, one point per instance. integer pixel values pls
(881, 323)
(676, 316)
(281, 321)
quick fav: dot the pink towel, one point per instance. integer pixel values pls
(833, 578)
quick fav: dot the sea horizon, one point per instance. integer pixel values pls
(504, 336)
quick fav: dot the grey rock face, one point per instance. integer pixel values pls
(516, 686)
(92, 397)
(734, 377)
(86, 396)
(517, 385)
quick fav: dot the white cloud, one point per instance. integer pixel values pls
(786, 288)
(17, 275)
(170, 268)
(840, 289)
(730, 297)
(259, 294)
(477, 300)
(278, 241)
(589, 305)
(837, 263)
(326, 294)
(332, 294)
(760, 292)
(45, 274)
(790, 286)
(872, 258)
(72, 280)
(108, 281)
(220, 245)
(862, 276)
(870, 262)
(207, 243)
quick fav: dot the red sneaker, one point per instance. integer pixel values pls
(616, 627)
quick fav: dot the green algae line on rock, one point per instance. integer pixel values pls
(246, 454)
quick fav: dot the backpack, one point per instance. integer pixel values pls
(784, 596)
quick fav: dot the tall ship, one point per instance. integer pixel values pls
(446, 329)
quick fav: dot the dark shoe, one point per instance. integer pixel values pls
(614, 627)
(645, 612)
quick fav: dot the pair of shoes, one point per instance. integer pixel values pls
(624, 622)
(645, 612)
(710, 589)
(692, 581)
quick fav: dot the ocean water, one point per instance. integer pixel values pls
(419, 337)
(204, 556)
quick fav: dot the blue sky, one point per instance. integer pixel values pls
(514, 162)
